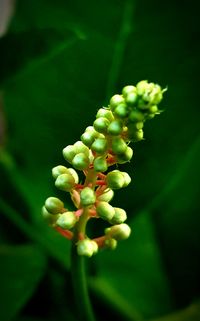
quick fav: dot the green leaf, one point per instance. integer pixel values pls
(21, 270)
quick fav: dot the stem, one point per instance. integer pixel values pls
(80, 286)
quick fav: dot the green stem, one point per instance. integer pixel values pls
(80, 286)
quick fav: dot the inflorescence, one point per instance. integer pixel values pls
(102, 145)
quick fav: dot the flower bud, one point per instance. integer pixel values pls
(69, 153)
(48, 217)
(135, 135)
(115, 101)
(87, 138)
(100, 145)
(95, 246)
(65, 182)
(92, 131)
(115, 179)
(79, 147)
(121, 111)
(127, 179)
(67, 220)
(100, 164)
(53, 205)
(74, 174)
(107, 195)
(80, 161)
(128, 89)
(142, 86)
(118, 232)
(88, 196)
(119, 216)
(131, 98)
(58, 170)
(101, 124)
(154, 109)
(126, 156)
(105, 210)
(111, 243)
(115, 127)
(118, 145)
(86, 247)
(102, 112)
(136, 116)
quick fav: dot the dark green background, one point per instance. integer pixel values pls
(59, 62)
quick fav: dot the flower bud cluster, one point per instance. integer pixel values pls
(103, 144)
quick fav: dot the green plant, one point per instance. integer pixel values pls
(103, 145)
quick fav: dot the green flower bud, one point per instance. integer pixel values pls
(48, 217)
(136, 116)
(86, 247)
(115, 179)
(80, 161)
(131, 98)
(153, 109)
(69, 153)
(128, 89)
(136, 135)
(118, 145)
(88, 196)
(74, 174)
(58, 170)
(115, 127)
(111, 244)
(53, 205)
(67, 220)
(142, 86)
(100, 145)
(95, 247)
(121, 111)
(126, 156)
(79, 147)
(127, 179)
(92, 131)
(100, 164)
(115, 101)
(105, 210)
(107, 195)
(87, 138)
(101, 124)
(119, 216)
(105, 113)
(65, 182)
(118, 232)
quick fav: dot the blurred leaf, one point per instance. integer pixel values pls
(21, 269)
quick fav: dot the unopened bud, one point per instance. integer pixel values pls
(118, 145)
(100, 164)
(53, 205)
(80, 161)
(115, 179)
(119, 216)
(58, 170)
(126, 156)
(48, 217)
(100, 145)
(105, 210)
(87, 196)
(69, 153)
(115, 127)
(118, 232)
(106, 196)
(101, 124)
(115, 101)
(102, 112)
(86, 247)
(67, 220)
(65, 182)
(111, 243)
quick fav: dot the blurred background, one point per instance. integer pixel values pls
(60, 61)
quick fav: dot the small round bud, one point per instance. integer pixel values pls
(118, 145)
(126, 156)
(136, 116)
(69, 153)
(128, 89)
(105, 210)
(131, 98)
(87, 138)
(119, 232)
(92, 131)
(100, 164)
(67, 220)
(119, 216)
(48, 217)
(115, 101)
(115, 179)
(58, 170)
(142, 86)
(111, 243)
(121, 111)
(101, 124)
(80, 161)
(106, 196)
(115, 127)
(74, 174)
(100, 145)
(85, 247)
(53, 205)
(65, 182)
(79, 147)
(127, 179)
(153, 109)
(102, 112)
(88, 196)
(95, 247)
(135, 135)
